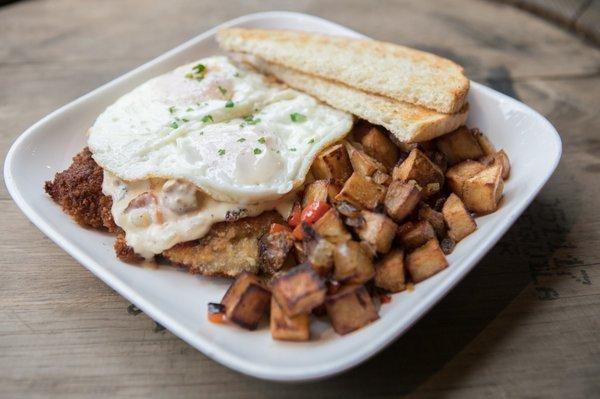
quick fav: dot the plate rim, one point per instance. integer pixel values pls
(216, 351)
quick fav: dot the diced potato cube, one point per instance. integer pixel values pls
(415, 234)
(401, 198)
(350, 308)
(287, 328)
(459, 221)
(482, 192)
(246, 301)
(458, 174)
(363, 163)
(498, 158)
(320, 255)
(426, 261)
(333, 164)
(315, 191)
(435, 218)
(352, 264)
(331, 227)
(421, 169)
(389, 272)
(378, 145)
(485, 143)
(459, 145)
(362, 192)
(378, 230)
(382, 178)
(298, 290)
(274, 249)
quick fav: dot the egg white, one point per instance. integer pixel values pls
(227, 130)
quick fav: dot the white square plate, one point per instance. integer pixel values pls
(178, 300)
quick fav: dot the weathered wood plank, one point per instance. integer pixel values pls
(525, 322)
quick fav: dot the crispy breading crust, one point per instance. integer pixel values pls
(228, 249)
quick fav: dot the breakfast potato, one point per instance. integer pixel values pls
(298, 290)
(246, 301)
(378, 145)
(350, 308)
(331, 227)
(288, 328)
(498, 158)
(485, 143)
(401, 199)
(378, 231)
(459, 145)
(482, 192)
(435, 218)
(458, 174)
(421, 169)
(390, 271)
(426, 261)
(320, 255)
(382, 178)
(274, 250)
(415, 234)
(319, 190)
(362, 192)
(363, 163)
(459, 221)
(352, 263)
(333, 164)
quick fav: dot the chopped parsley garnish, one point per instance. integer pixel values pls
(185, 119)
(199, 68)
(296, 117)
(171, 109)
(189, 109)
(189, 75)
(221, 152)
(207, 118)
(229, 104)
(222, 90)
(198, 73)
(174, 125)
(241, 140)
(262, 140)
(237, 74)
(292, 149)
(250, 120)
(311, 141)
(257, 151)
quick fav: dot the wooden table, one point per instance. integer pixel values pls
(524, 323)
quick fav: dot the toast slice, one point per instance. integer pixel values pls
(393, 71)
(407, 122)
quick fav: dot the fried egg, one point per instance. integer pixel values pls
(229, 131)
(205, 143)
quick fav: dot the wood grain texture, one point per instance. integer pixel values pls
(524, 323)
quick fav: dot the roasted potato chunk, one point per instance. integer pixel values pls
(331, 227)
(415, 234)
(362, 192)
(350, 308)
(458, 174)
(382, 178)
(274, 250)
(378, 145)
(246, 301)
(378, 231)
(459, 145)
(485, 143)
(401, 198)
(390, 273)
(459, 221)
(288, 328)
(421, 169)
(319, 190)
(482, 192)
(298, 290)
(320, 255)
(333, 164)
(351, 263)
(498, 158)
(426, 261)
(435, 218)
(363, 163)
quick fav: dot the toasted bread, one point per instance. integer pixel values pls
(397, 72)
(409, 123)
